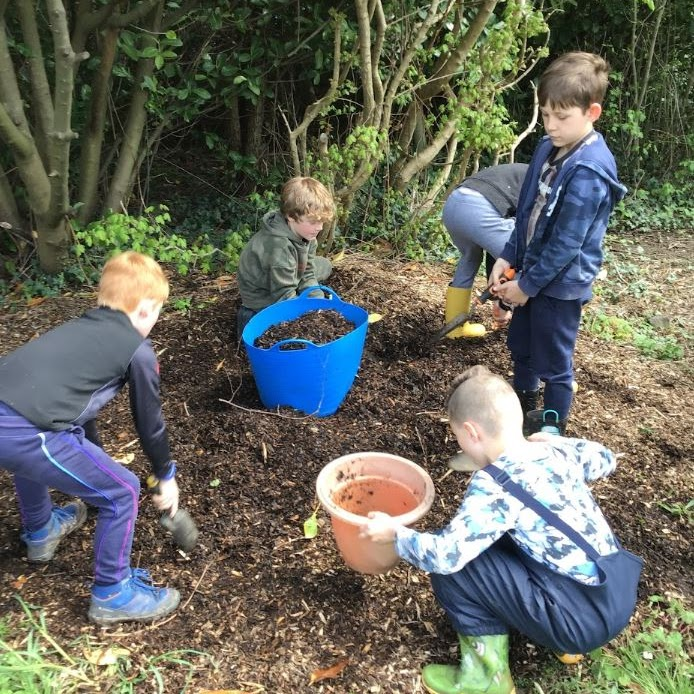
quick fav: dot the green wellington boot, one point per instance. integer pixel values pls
(483, 669)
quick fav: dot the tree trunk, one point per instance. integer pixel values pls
(53, 245)
(93, 136)
(121, 183)
(9, 214)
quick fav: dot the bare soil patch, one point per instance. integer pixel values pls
(271, 606)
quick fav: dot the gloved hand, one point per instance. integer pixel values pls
(166, 496)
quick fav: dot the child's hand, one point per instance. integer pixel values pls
(497, 271)
(511, 293)
(167, 498)
(380, 528)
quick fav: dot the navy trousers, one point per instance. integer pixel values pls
(68, 462)
(541, 339)
(504, 588)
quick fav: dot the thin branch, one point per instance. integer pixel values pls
(140, 11)
(529, 128)
(298, 134)
(41, 91)
(14, 137)
(364, 29)
(267, 412)
(12, 101)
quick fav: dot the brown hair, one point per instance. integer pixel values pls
(306, 196)
(480, 396)
(129, 277)
(574, 79)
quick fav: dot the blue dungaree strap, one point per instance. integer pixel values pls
(502, 478)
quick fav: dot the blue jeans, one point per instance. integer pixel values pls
(68, 462)
(474, 225)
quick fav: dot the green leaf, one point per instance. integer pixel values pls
(311, 526)
(215, 482)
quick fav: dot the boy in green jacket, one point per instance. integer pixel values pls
(279, 261)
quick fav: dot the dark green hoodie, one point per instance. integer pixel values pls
(275, 264)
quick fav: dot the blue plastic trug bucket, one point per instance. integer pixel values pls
(316, 378)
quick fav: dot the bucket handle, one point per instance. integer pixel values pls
(308, 290)
(291, 341)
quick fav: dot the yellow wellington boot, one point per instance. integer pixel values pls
(457, 302)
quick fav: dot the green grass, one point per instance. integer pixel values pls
(629, 306)
(33, 662)
(654, 660)
(634, 331)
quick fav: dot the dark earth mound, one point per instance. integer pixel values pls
(272, 607)
(320, 327)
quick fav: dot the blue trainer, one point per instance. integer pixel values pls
(42, 543)
(134, 599)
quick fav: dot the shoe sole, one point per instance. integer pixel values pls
(109, 620)
(80, 519)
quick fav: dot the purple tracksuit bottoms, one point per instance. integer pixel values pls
(68, 462)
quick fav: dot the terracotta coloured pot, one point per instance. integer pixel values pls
(350, 487)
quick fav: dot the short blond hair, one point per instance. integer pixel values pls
(305, 196)
(129, 277)
(480, 396)
(574, 79)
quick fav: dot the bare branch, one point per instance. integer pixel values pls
(10, 96)
(449, 66)
(172, 18)
(88, 21)
(529, 128)
(140, 11)
(425, 156)
(65, 65)
(377, 10)
(17, 140)
(41, 91)
(298, 134)
(364, 29)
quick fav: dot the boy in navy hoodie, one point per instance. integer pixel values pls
(556, 247)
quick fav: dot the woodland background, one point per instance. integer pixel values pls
(170, 125)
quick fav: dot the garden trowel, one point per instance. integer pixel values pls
(449, 327)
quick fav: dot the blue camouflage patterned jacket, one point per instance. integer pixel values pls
(555, 474)
(565, 252)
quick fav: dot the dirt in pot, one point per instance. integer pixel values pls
(320, 327)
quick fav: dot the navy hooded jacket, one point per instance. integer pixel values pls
(565, 253)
